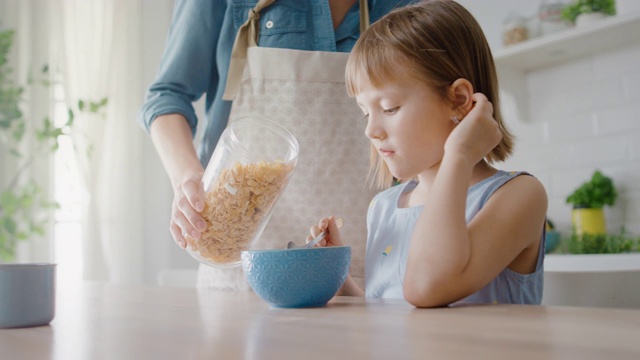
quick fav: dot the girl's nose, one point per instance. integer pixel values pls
(373, 130)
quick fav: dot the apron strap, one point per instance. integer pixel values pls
(364, 15)
(248, 36)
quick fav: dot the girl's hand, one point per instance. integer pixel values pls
(188, 202)
(333, 237)
(477, 134)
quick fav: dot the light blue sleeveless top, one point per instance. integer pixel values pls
(390, 229)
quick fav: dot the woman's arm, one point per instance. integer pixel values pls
(187, 71)
(171, 136)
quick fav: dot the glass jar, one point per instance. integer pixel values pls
(550, 15)
(514, 30)
(249, 169)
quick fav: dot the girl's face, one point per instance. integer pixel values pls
(408, 123)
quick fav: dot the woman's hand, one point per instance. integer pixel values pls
(477, 134)
(172, 139)
(333, 237)
(188, 202)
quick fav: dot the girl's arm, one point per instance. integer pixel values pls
(448, 259)
(350, 288)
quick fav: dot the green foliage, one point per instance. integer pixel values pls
(577, 7)
(23, 204)
(9, 95)
(21, 216)
(601, 243)
(21, 201)
(594, 194)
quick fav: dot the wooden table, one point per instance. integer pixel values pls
(100, 321)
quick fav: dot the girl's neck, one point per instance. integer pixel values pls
(416, 197)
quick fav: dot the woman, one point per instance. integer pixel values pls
(302, 88)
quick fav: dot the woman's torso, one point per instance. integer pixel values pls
(197, 54)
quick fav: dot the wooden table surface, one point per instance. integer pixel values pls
(101, 321)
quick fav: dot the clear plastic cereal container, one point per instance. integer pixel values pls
(249, 169)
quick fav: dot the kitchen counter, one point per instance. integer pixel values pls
(101, 321)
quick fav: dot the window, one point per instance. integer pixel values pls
(67, 227)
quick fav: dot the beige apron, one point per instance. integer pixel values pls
(305, 92)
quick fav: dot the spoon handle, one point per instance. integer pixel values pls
(322, 235)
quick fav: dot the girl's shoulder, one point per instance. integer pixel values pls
(507, 185)
(502, 177)
(511, 187)
(521, 180)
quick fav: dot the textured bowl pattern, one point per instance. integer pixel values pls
(297, 277)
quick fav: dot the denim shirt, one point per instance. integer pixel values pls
(198, 49)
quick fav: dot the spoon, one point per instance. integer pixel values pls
(317, 239)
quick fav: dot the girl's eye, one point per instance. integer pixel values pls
(365, 117)
(392, 110)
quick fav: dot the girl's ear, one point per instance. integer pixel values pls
(460, 93)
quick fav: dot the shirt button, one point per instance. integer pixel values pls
(269, 24)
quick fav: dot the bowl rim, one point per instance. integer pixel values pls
(296, 249)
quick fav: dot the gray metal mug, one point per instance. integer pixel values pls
(27, 294)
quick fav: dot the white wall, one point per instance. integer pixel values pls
(583, 117)
(492, 13)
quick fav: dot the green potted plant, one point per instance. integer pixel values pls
(588, 201)
(580, 12)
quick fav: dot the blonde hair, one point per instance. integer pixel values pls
(441, 42)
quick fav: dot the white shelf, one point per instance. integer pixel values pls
(573, 43)
(592, 263)
(515, 61)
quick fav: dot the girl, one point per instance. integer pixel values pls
(456, 229)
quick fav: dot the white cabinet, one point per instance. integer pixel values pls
(603, 280)
(514, 62)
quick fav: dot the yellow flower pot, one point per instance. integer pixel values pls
(589, 221)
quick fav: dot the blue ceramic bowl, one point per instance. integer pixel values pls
(294, 278)
(552, 241)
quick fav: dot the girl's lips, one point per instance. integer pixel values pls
(384, 152)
